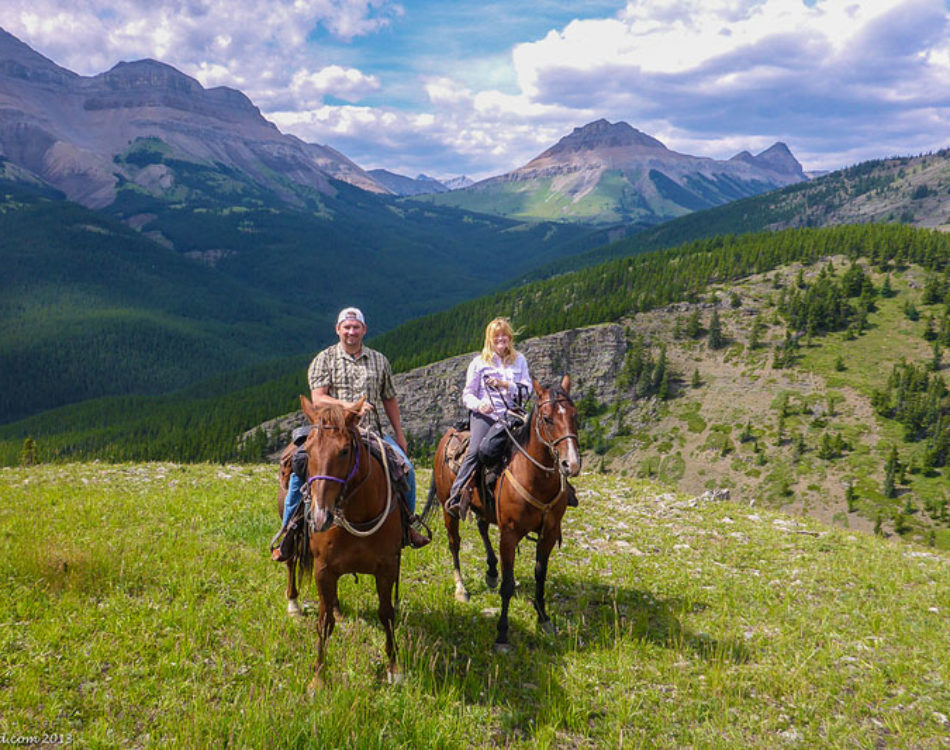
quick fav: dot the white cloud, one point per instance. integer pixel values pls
(348, 84)
(261, 48)
(838, 81)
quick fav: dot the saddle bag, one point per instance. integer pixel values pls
(493, 449)
(455, 449)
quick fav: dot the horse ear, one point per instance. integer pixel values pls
(566, 384)
(308, 410)
(538, 390)
(354, 412)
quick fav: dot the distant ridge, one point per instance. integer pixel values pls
(401, 185)
(612, 172)
(72, 131)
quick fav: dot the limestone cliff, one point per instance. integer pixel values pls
(430, 397)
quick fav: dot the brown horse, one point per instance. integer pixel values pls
(530, 496)
(354, 523)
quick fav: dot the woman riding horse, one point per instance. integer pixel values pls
(531, 496)
(493, 383)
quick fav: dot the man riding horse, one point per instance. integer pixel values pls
(341, 375)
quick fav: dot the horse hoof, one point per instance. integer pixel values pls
(461, 595)
(491, 581)
(394, 678)
(548, 627)
(293, 609)
(502, 648)
(315, 686)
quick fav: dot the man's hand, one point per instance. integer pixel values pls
(366, 409)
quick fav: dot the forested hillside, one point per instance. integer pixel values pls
(912, 190)
(651, 280)
(765, 329)
(89, 307)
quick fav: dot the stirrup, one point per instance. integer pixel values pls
(278, 537)
(452, 505)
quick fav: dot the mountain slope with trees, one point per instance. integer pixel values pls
(910, 190)
(89, 307)
(803, 369)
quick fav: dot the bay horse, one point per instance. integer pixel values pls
(354, 523)
(530, 497)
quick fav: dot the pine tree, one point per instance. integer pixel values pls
(696, 381)
(886, 289)
(693, 327)
(28, 452)
(758, 328)
(716, 339)
(850, 497)
(746, 435)
(780, 430)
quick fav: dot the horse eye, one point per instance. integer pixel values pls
(344, 452)
(547, 420)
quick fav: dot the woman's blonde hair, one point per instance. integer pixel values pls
(499, 325)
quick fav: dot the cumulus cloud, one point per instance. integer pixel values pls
(261, 48)
(839, 82)
(706, 71)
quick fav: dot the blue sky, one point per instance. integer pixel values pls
(479, 88)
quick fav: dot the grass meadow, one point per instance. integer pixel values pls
(139, 608)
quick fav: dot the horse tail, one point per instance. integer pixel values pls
(432, 501)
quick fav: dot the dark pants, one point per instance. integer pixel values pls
(480, 424)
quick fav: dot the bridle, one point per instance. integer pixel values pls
(355, 468)
(552, 444)
(547, 441)
(361, 529)
(542, 506)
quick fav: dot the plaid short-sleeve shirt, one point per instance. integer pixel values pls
(347, 378)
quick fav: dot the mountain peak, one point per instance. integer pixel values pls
(149, 83)
(602, 134)
(776, 158)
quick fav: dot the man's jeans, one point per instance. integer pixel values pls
(294, 494)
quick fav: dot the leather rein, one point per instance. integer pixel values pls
(367, 528)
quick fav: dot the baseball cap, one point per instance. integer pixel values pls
(350, 313)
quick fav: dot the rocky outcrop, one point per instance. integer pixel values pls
(430, 397)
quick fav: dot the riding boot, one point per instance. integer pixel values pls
(417, 540)
(275, 542)
(456, 505)
(282, 545)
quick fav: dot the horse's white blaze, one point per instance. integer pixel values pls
(573, 459)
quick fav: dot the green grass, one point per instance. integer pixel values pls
(139, 609)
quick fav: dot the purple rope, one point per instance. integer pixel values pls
(356, 466)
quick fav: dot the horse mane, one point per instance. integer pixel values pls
(330, 415)
(555, 392)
